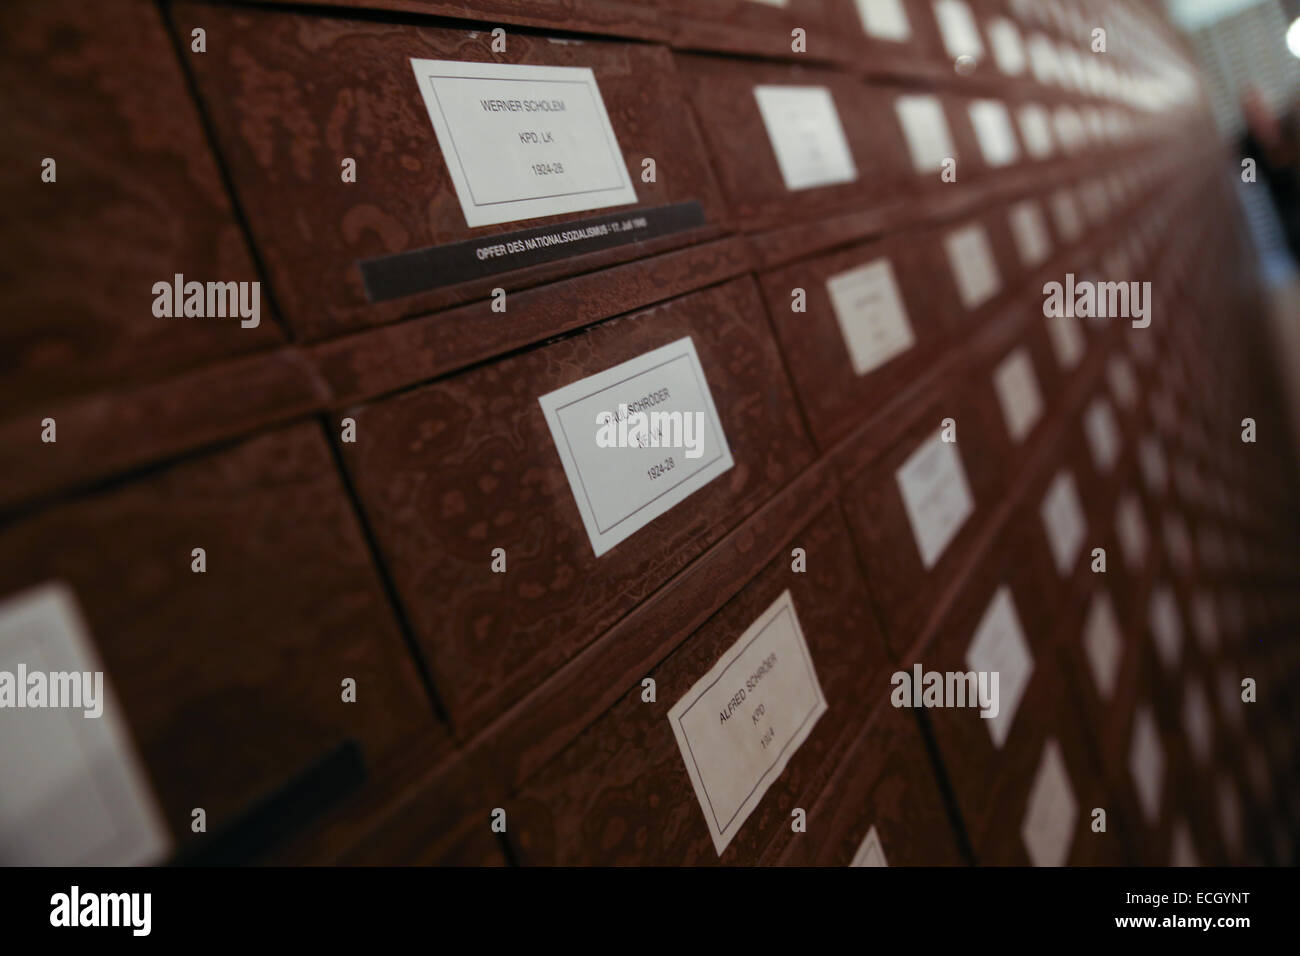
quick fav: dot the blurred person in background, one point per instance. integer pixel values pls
(1274, 143)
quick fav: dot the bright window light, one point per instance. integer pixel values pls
(1293, 37)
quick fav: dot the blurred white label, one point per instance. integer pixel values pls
(1103, 434)
(1146, 763)
(871, 314)
(997, 139)
(973, 265)
(1017, 390)
(961, 37)
(74, 791)
(1103, 644)
(885, 19)
(999, 647)
(1062, 515)
(1029, 229)
(926, 129)
(807, 138)
(1008, 49)
(1048, 826)
(936, 497)
(1166, 625)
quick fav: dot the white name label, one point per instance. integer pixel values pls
(926, 129)
(935, 495)
(1062, 515)
(74, 791)
(997, 139)
(1103, 434)
(1146, 763)
(740, 724)
(1102, 643)
(1048, 827)
(522, 142)
(668, 443)
(1029, 229)
(1018, 395)
(999, 647)
(870, 853)
(973, 265)
(871, 314)
(885, 20)
(807, 138)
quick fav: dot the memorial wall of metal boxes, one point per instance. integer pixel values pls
(613, 432)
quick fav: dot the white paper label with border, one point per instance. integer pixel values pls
(620, 490)
(1018, 394)
(523, 142)
(997, 139)
(935, 495)
(973, 265)
(739, 724)
(871, 314)
(75, 793)
(885, 20)
(870, 852)
(1029, 229)
(1063, 519)
(806, 135)
(925, 126)
(1050, 814)
(999, 646)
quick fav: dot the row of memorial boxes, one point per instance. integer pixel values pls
(500, 577)
(474, 539)
(1097, 52)
(787, 144)
(506, 484)
(374, 193)
(1132, 58)
(293, 569)
(627, 792)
